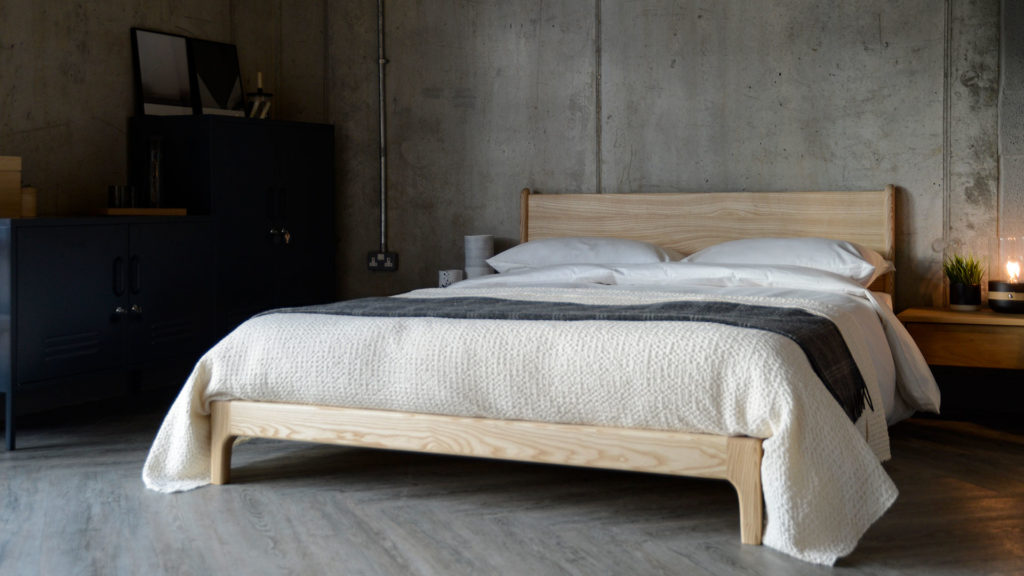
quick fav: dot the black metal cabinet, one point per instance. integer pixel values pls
(269, 189)
(86, 304)
(94, 307)
(66, 280)
(170, 291)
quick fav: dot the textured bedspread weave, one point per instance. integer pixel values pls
(816, 335)
(823, 484)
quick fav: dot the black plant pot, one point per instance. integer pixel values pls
(964, 297)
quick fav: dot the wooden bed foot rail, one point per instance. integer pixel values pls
(735, 459)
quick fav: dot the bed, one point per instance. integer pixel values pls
(197, 437)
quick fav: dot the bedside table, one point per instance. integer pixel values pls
(982, 339)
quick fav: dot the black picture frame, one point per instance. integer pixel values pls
(163, 73)
(216, 78)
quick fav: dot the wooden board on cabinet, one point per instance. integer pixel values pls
(145, 212)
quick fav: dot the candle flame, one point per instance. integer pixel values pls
(1013, 270)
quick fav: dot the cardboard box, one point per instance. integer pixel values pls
(10, 186)
(10, 163)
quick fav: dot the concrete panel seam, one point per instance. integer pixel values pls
(947, 88)
(598, 124)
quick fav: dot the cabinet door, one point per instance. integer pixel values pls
(70, 280)
(243, 179)
(305, 208)
(170, 288)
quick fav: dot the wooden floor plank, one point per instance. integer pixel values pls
(72, 502)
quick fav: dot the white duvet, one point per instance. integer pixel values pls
(821, 474)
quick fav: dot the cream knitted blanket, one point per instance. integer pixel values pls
(823, 483)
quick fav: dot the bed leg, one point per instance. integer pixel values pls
(745, 475)
(221, 442)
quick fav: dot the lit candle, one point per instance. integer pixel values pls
(1008, 295)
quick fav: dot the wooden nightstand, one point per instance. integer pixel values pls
(983, 339)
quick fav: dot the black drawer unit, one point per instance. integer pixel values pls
(89, 304)
(96, 307)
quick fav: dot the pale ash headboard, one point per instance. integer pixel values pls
(688, 222)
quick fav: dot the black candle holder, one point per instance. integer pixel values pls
(1006, 296)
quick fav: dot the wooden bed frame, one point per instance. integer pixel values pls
(685, 222)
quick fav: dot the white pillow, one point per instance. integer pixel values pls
(552, 251)
(860, 264)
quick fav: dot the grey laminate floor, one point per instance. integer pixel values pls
(71, 502)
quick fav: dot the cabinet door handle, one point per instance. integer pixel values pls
(279, 234)
(134, 273)
(119, 276)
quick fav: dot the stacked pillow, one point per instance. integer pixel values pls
(858, 263)
(846, 259)
(554, 251)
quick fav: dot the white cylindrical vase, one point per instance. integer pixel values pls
(478, 249)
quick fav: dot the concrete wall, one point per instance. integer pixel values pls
(66, 80)
(285, 40)
(798, 95)
(971, 179)
(66, 88)
(485, 98)
(66, 93)
(1011, 125)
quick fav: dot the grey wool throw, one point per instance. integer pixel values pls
(817, 336)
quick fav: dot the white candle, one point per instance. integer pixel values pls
(1013, 271)
(1011, 253)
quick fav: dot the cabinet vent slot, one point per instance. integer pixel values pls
(57, 348)
(171, 331)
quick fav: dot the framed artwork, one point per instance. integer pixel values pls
(163, 79)
(217, 81)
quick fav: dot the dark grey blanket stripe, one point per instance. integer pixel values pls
(817, 336)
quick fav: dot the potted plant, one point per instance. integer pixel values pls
(964, 273)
